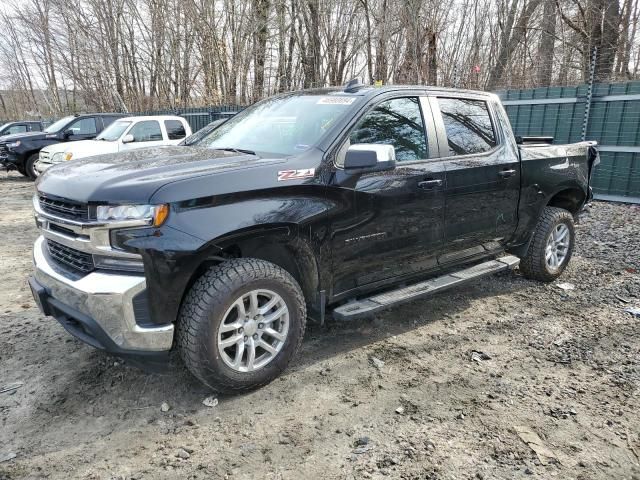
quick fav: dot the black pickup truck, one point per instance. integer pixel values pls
(19, 151)
(339, 202)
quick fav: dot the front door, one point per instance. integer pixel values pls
(84, 128)
(146, 133)
(483, 178)
(392, 224)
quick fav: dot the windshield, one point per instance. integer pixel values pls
(113, 131)
(281, 125)
(5, 125)
(57, 126)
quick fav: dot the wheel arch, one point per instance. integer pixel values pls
(570, 198)
(279, 244)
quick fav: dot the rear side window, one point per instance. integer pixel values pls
(147, 131)
(396, 122)
(108, 120)
(175, 129)
(468, 126)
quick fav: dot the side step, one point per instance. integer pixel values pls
(381, 301)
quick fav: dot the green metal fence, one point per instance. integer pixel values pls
(197, 117)
(609, 114)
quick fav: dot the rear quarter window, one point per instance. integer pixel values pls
(175, 129)
(468, 126)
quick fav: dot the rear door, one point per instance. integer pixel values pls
(393, 220)
(483, 177)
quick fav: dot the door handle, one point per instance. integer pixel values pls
(429, 184)
(507, 173)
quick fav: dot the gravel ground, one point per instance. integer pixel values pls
(503, 379)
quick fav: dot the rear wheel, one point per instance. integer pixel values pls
(241, 324)
(551, 246)
(30, 166)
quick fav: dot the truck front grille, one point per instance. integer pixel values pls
(77, 260)
(3, 150)
(64, 208)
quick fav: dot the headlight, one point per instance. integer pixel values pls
(13, 144)
(152, 214)
(56, 158)
(68, 156)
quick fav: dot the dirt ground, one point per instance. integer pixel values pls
(552, 391)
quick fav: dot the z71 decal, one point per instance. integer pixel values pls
(296, 174)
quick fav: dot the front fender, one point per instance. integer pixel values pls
(197, 234)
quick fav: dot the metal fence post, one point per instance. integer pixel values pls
(587, 107)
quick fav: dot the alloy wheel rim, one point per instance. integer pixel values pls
(557, 247)
(253, 330)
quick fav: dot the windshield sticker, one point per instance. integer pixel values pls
(296, 174)
(336, 101)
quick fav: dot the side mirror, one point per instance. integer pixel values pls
(67, 133)
(370, 157)
(128, 138)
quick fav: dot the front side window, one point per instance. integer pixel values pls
(175, 129)
(468, 126)
(146, 131)
(396, 122)
(84, 126)
(16, 129)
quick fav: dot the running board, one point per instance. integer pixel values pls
(376, 303)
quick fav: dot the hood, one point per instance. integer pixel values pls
(134, 176)
(22, 136)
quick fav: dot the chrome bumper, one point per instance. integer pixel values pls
(41, 166)
(106, 298)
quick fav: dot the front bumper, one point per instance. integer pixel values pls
(98, 308)
(41, 166)
(8, 160)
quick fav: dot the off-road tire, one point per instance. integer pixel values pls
(533, 265)
(30, 166)
(204, 307)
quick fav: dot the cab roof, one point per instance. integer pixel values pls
(368, 91)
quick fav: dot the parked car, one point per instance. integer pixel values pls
(124, 134)
(11, 128)
(20, 151)
(348, 201)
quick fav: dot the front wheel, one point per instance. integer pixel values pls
(551, 246)
(30, 167)
(241, 324)
(21, 170)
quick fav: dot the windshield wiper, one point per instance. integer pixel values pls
(237, 150)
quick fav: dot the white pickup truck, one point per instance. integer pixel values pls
(124, 134)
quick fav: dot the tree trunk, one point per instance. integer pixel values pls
(547, 43)
(260, 46)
